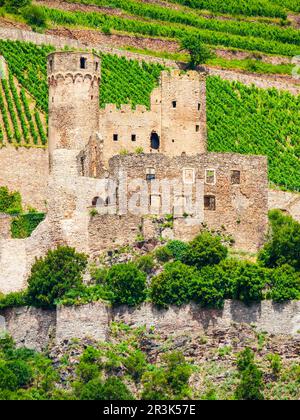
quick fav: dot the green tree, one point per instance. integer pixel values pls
(283, 246)
(199, 52)
(54, 275)
(284, 284)
(249, 283)
(172, 286)
(205, 249)
(127, 284)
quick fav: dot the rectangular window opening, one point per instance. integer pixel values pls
(235, 177)
(209, 202)
(174, 104)
(210, 176)
(133, 137)
(83, 62)
(197, 128)
(115, 137)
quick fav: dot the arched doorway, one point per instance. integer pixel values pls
(154, 140)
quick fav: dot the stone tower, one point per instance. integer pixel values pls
(183, 112)
(74, 79)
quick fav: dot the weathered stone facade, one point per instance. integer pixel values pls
(38, 328)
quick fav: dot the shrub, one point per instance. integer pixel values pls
(15, 6)
(13, 299)
(172, 286)
(127, 284)
(207, 288)
(285, 284)
(85, 294)
(283, 246)
(275, 363)
(34, 16)
(163, 254)
(10, 203)
(169, 381)
(145, 263)
(22, 371)
(51, 277)
(177, 249)
(112, 389)
(251, 383)
(136, 364)
(205, 249)
(8, 380)
(249, 283)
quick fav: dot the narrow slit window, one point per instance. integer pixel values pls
(82, 62)
(197, 128)
(199, 106)
(115, 137)
(174, 104)
(133, 137)
(209, 202)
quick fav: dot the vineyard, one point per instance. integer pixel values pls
(22, 122)
(241, 119)
(169, 24)
(265, 8)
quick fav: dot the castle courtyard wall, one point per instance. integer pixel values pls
(38, 329)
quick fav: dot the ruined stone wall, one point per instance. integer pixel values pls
(133, 129)
(240, 209)
(177, 116)
(112, 231)
(183, 113)
(286, 201)
(26, 171)
(37, 328)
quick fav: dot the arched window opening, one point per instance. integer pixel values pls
(154, 140)
(95, 201)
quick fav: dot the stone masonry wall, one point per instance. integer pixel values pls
(26, 171)
(240, 209)
(285, 201)
(37, 328)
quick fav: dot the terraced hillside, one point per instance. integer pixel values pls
(273, 35)
(240, 119)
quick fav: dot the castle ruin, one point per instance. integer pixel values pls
(114, 173)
